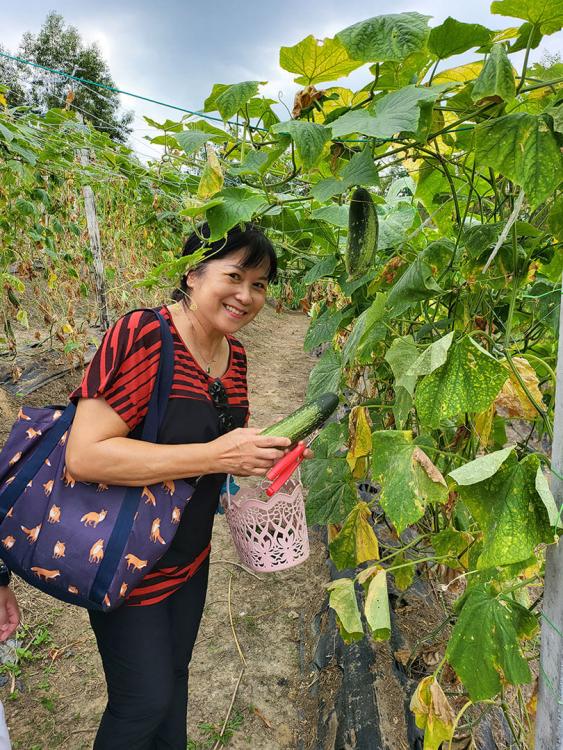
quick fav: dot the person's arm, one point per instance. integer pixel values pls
(98, 450)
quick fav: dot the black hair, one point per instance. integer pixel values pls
(249, 237)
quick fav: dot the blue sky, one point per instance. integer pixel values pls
(174, 51)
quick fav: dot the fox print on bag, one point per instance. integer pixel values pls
(85, 543)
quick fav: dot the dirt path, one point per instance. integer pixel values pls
(60, 693)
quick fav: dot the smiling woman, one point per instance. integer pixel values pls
(146, 644)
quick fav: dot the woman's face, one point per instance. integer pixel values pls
(227, 295)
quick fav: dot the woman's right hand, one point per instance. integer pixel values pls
(245, 452)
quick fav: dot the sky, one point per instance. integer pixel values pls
(175, 50)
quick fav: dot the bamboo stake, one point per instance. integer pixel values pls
(95, 243)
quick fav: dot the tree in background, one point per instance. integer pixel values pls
(60, 47)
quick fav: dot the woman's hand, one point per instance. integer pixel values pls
(245, 452)
(9, 613)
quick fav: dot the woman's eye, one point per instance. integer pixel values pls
(234, 276)
(260, 285)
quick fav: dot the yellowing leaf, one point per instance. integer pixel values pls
(403, 572)
(3, 100)
(211, 180)
(343, 601)
(317, 61)
(356, 543)
(376, 607)
(484, 424)
(67, 328)
(512, 401)
(21, 317)
(360, 440)
(433, 713)
(461, 74)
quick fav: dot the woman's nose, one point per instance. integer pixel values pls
(244, 294)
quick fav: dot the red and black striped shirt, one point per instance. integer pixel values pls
(123, 372)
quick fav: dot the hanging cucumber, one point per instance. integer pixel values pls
(363, 230)
(307, 418)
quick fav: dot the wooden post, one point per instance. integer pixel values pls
(95, 243)
(549, 720)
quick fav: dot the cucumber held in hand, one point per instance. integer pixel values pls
(363, 230)
(306, 419)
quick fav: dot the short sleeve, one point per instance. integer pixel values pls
(124, 368)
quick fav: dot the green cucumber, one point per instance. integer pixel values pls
(363, 230)
(307, 418)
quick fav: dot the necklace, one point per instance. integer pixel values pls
(207, 367)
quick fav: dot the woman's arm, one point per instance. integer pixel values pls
(98, 450)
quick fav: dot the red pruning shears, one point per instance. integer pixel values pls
(284, 468)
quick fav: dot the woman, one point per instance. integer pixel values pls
(147, 643)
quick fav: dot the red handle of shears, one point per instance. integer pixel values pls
(285, 462)
(283, 476)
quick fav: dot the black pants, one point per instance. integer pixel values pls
(145, 652)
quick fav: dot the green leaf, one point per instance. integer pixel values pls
(325, 375)
(543, 490)
(484, 644)
(323, 328)
(360, 170)
(333, 214)
(401, 355)
(367, 329)
(239, 205)
(309, 139)
(547, 14)
(481, 468)
(555, 218)
(432, 357)
(453, 37)
(523, 38)
(407, 477)
(325, 267)
(324, 190)
(393, 226)
(417, 282)
(468, 382)
(343, 601)
(397, 112)
(254, 163)
(496, 78)
(523, 148)
(511, 514)
(331, 489)
(317, 61)
(390, 37)
(356, 542)
(376, 607)
(231, 98)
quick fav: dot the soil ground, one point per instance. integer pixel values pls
(57, 699)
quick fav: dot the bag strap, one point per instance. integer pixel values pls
(163, 384)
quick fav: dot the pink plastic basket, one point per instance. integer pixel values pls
(270, 533)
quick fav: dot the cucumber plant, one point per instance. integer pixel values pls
(436, 309)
